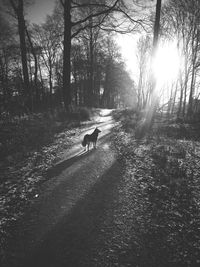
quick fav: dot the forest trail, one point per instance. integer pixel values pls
(109, 206)
(69, 182)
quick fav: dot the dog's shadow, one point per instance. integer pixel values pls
(59, 167)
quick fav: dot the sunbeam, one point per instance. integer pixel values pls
(166, 64)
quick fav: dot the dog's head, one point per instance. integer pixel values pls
(97, 130)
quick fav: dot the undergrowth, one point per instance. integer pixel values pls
(19, 136)
(163, 172)
(28, 148)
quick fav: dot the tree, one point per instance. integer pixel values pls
(153, 98)
(73, 28)
(6, 42)
(45, 37)
(66, 54)
(183, 19)
(143, 56)
(152, 103)
(119, 88)
(18, 7)
(33, 51)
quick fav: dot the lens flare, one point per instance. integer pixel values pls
(166, 64)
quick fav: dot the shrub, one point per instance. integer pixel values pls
(84, 113)
(62, 115)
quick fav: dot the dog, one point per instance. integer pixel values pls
(91, 138)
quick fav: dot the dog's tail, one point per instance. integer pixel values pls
(84, 141)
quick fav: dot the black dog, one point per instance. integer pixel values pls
(91, 138)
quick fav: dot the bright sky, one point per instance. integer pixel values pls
(128, 46)
(38, 11)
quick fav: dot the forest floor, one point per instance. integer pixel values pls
(130, 202)
(162, 181)
(29, 148)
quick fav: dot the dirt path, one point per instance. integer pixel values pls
(92, 212)
(58, 220)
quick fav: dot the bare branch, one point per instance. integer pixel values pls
(77, 5)
(89, 26)
(139, 21)
(96, 15)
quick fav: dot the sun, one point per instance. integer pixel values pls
(166, 64)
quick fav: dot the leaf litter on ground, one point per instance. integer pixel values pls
(163, 176)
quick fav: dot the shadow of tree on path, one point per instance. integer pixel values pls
(58, 168)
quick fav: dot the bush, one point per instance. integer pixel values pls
(62, 115)
(84, 114)
(81, 114)
(37, 130)
(128, 118)
(78, 114)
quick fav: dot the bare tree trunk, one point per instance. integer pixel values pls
(169, 108)
(157, 25)
(190, 103)
(36, 66)
(155, 45)
(180, 102)
(42, 82)
(185, 98)
(76, 88)
(19, 11)
(139, 94)
(4, 78)
(91, 68)
(174, 99)
(50, 85)
(144, 127)
(195, 48)
(66, 55)
(153, 96)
